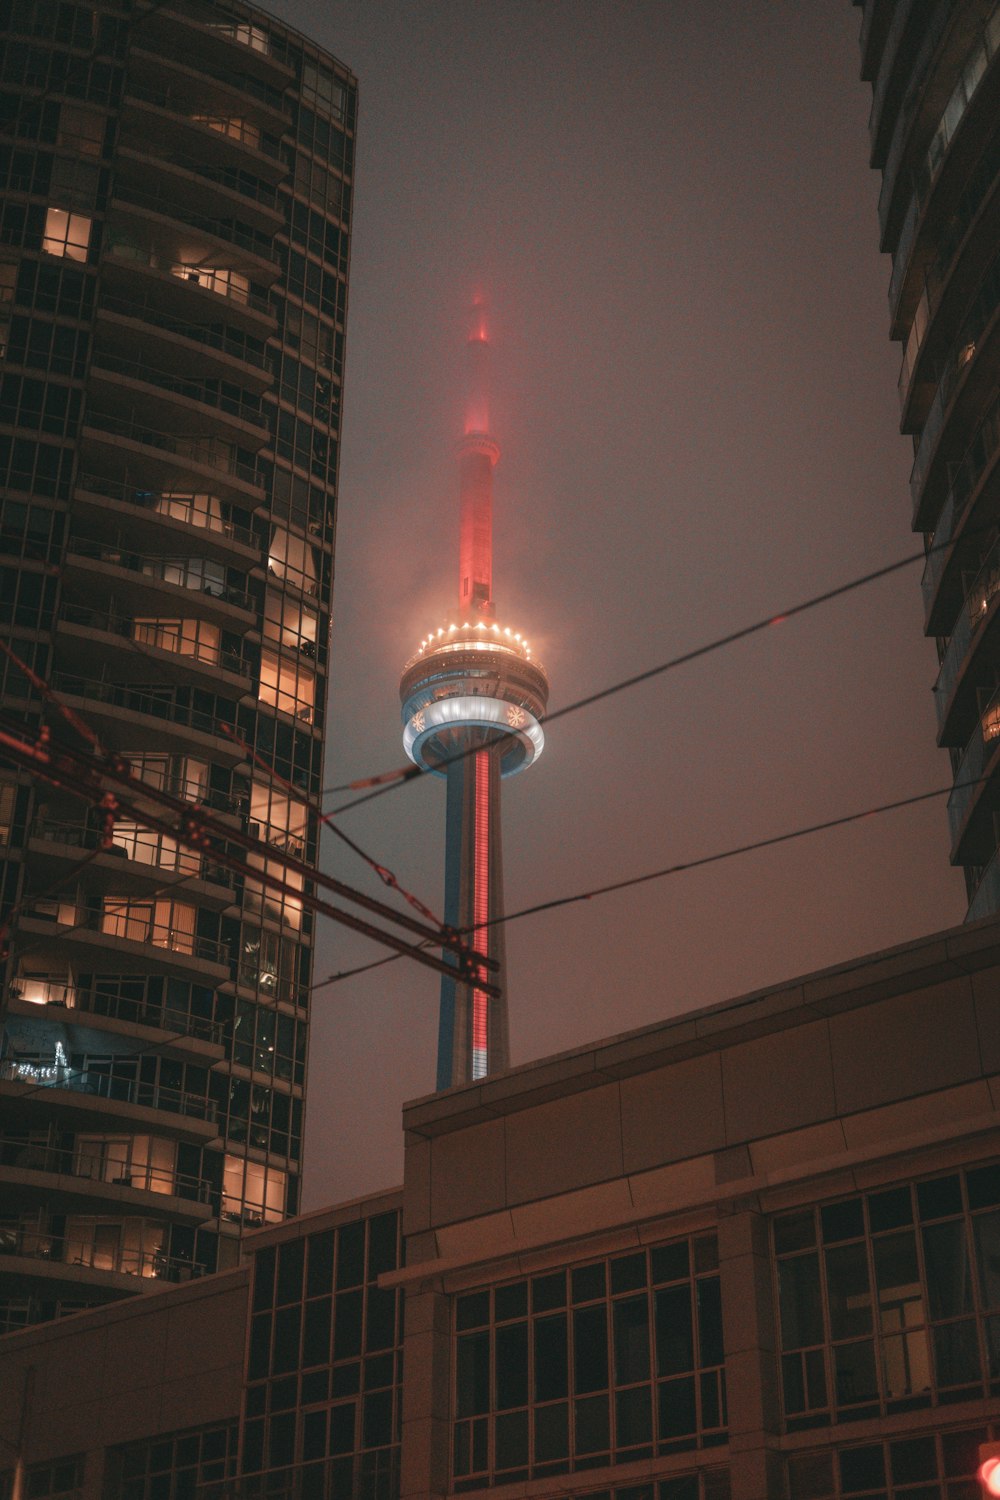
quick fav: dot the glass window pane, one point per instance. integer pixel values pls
(842, 1221)
(710, 1320)
(674, 1331)
(512, 1366)
(800, 1302)
(854, 1372)
(510, 1301)
(511, 1440)
(676, 1408)
(986, 1229)
(633, 1417)
(949, 1283)
(551, 1361)
(631, 1336)
(472, 1375)
(589, 1282)
(670, 1262)
(861, 1469)
(956, 1354)
(551, 1433)
(848, 1291)
(592, 1425)
(590, 1349)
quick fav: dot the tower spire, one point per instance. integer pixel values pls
(472, 697)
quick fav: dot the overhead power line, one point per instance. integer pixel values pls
(388, 781)
(682, 866)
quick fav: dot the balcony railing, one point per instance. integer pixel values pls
(982, 745)
(146, 499)
(240, 131)
(229, 230)
(92, 1168)
(97, 1002)
(965, 478)
(234, 291)
(162, 704)
(194, 574)
(928, 170)
(203, 653)
(34, 1244)
(206, 449)
(232, 178)
(961, 353)
(984, 589)
(206, 392)
(105, 1086)
(147, 310)
(143, 845)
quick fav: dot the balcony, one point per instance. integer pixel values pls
(194, 461)
(235, 44)
(186, 294)
(202, 82)
(176, 109)
(956, 685)
(138, 215)
(32, 1173)
(131, 928)
(74, 1265)
(185, 580)
(934, 192)
(972, 835)
(986, 899)
(971, 497)
(187, 399)
(145, 716)
(88, 1099)
(90, 1000)
(167, 517)
(966, 381)
(141, 854)
(190, 184)
(134, 326)
(185, 650)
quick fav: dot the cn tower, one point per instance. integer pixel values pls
(472, 698)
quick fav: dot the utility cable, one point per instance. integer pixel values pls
(388, 781)
(594, 892)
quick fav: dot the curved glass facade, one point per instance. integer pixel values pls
(175, 202)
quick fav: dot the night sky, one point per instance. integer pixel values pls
(670, 208)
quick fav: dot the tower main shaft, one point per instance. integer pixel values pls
(472, 697)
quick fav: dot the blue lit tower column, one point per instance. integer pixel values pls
(472, 698)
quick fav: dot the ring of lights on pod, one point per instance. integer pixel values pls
(473, 677)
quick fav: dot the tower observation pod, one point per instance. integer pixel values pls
(472, 698)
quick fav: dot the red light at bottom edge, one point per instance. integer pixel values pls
(989, 1476)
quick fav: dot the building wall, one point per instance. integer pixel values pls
(752, 1253)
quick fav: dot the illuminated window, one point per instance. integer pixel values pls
(180, 775)
(231, 126)
(200, 573)
(197, 510)
(254, 37)
(292, 559)
(251, 1192)
(288, 686)
(165, 924)
(8, 796)
(290, 622)
(129, 1245)
(217, 279)
(284, 906)
(66, 234)
(278, 819)
(150, 848)
(196, 638)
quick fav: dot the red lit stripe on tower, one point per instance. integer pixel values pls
(481, 908)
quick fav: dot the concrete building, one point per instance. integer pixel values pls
(935, 138)
(753, 1252)
(174, 241)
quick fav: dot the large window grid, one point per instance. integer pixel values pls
(928, 1466)
(604, 1362)
(173, 1467)
(324, 1366)
(891, 1300)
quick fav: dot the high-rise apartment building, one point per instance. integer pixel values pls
(934, 66)
(174, 239)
